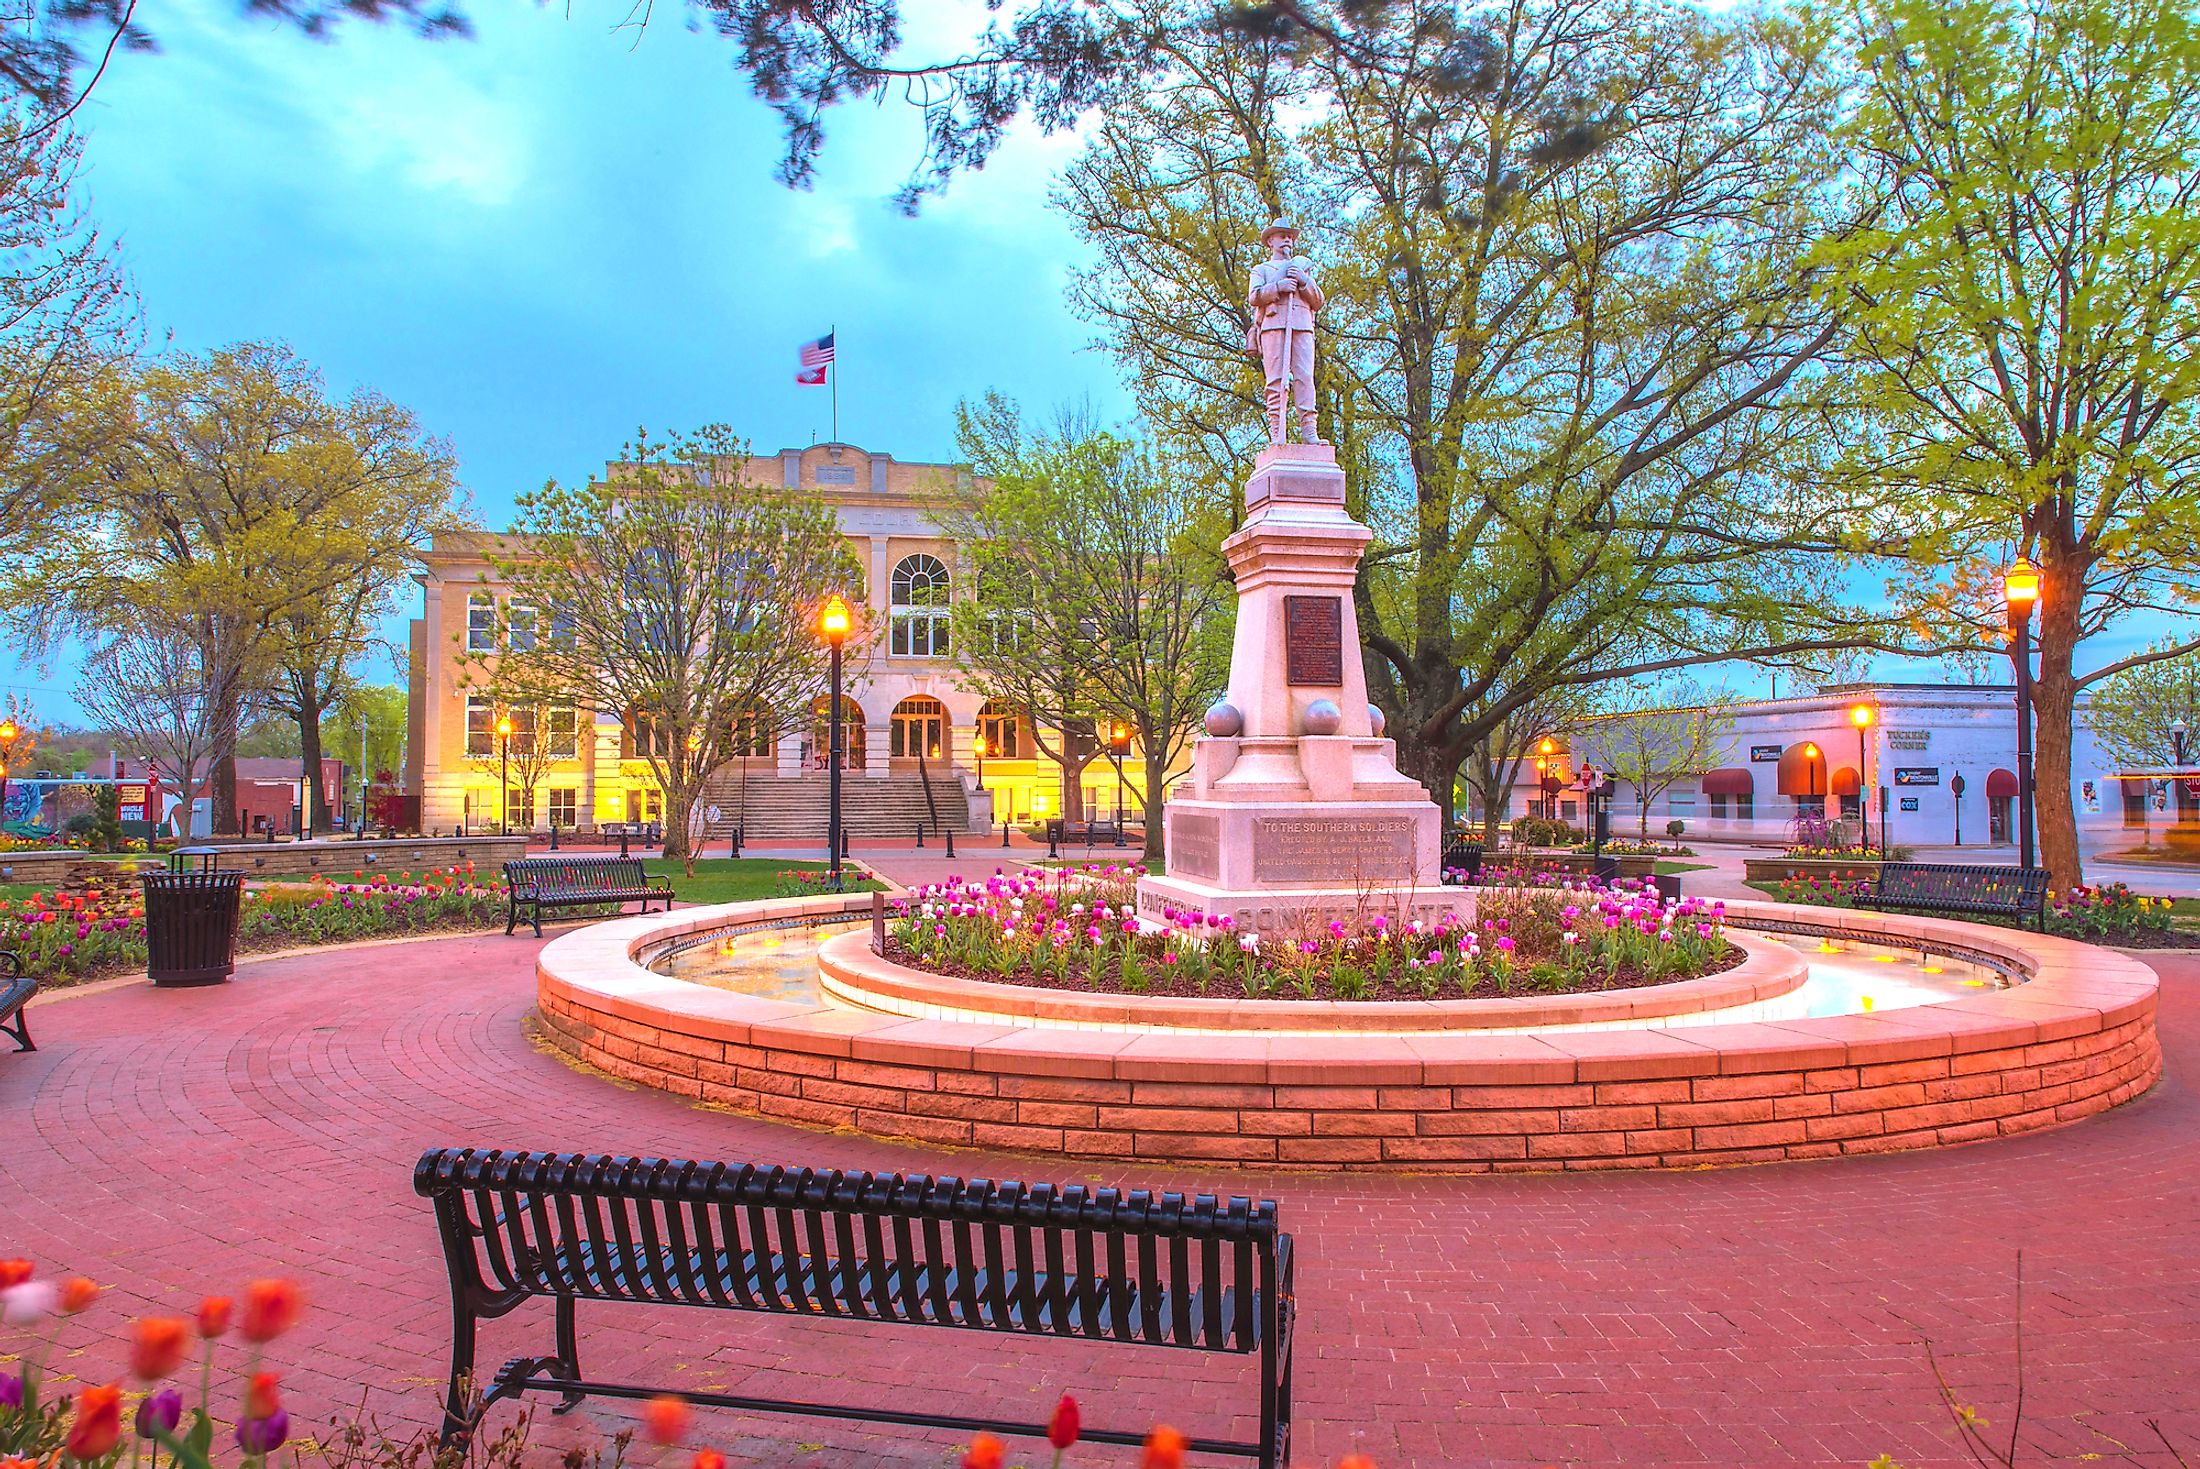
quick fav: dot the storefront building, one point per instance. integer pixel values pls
(1935, 762)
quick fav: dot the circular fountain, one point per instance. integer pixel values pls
(1840, 1033)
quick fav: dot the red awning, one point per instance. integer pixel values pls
(1845, 782)
(2001, 783)
(1800, 774)
(1731, 781)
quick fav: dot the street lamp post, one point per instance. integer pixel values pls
(9, 734)
(833, 622)
(1119, 743)
(2021, 586)
(1861, 717)
(1810, 768)
(1544, 751)
(504, 775)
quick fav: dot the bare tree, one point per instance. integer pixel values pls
(1652, 739)
(160, 686)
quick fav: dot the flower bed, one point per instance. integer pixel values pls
(1079, 931)
(68, 938)
(2113, 914)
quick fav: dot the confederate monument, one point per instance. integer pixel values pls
(1296, 809)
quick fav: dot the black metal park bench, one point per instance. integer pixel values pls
(1092, 1265)
(1937, 887)
(16, 989)
(536, 883)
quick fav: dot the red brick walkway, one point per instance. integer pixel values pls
(168, 1143)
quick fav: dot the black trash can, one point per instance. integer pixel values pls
(191, 926)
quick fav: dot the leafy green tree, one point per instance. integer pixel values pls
(2131, 711)
(1571, 363)
(676, 593)
(2021, 318)
(231, 495)
(1116, 605)
(379, 711)
(64, 322)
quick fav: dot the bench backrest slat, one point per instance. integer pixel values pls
(2013, 888)
(1166, 1270)
(530, 877)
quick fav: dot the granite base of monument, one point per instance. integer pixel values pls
(1278, 866)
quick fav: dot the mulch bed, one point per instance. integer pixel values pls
(1165, 984)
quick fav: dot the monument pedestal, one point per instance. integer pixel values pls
(1297, 812)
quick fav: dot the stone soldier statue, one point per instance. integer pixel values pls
(1284, 298)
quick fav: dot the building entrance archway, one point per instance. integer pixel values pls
(919, 730)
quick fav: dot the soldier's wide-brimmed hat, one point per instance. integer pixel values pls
(1279, 227)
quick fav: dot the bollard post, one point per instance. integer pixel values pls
(920, 836)
(951, 841)
(844, 841)
(622, 840)
(553, 833)
(1054, 835)
(1005, 824)
(737, 839)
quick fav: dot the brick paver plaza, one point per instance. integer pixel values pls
(172, 1143)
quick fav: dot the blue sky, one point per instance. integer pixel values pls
(547, 236)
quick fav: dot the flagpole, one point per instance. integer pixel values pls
(834, 333)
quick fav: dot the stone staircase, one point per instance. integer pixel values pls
(792, 811)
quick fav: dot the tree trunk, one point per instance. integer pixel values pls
(309, 753)
(680, 801)
(222, 757)
(2054, 702)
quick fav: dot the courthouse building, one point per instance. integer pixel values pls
(916, 738)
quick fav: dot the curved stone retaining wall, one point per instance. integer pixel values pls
(2076, 1039)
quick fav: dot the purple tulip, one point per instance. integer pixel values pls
(11, 1390)
(264, 1435)
(160, 1413)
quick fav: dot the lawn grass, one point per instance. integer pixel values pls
(740, 879)
(1675, 869)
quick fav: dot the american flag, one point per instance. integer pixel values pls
(816, 357)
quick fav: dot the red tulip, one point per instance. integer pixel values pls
(77, 1294)
(271, 1307)
(985, 1452)
(709, 1459)
(666, 1418)
(214, 1317)
(1062, 1427)
(157, 1346)
(98, 1424)
(1355, 1461)
(14, 1273)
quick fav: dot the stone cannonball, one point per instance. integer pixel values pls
(1323, 717)
(1375, 720)
(1223, 720)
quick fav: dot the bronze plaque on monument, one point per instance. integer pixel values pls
(1313, 641)
(1332, 849)
(1195, 845)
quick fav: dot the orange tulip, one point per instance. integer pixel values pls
(14, 1273)
(985, 1452)
(271, 1307)
(1355, 1461)
(709, 1459)
(667, 1419)
(77, 1294)
(157, 1346)
(98, 1425)
(261, 1400)
(213, 1317)
(1164, 1450)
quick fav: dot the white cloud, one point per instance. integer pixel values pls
(437, 133)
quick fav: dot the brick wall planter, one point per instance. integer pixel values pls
(2076, 1039)
(338, 860)
(43, 868)
(1632, 868)
(1774, 869)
